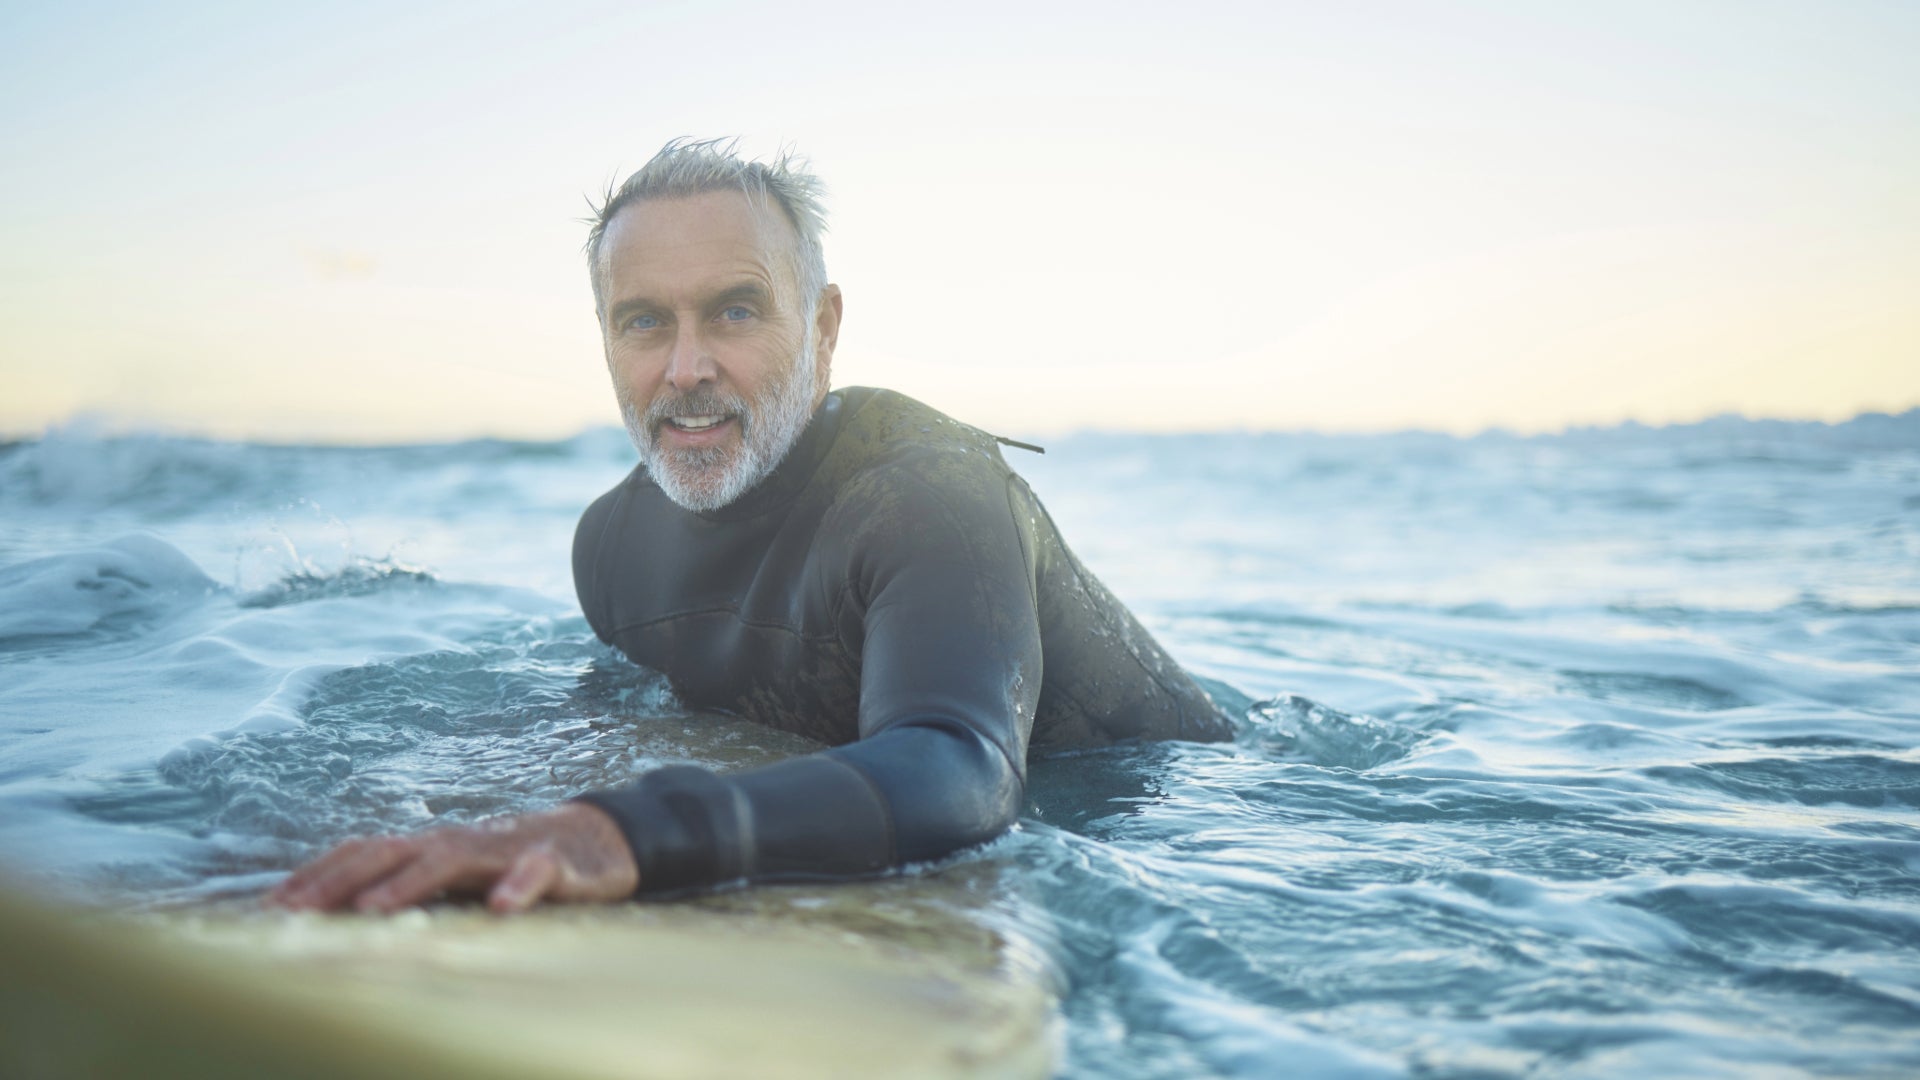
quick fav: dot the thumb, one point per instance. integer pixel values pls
(526, 882)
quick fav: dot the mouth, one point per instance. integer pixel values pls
(698, 423)
(697, 429)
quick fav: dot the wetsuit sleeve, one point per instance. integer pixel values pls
(939, 604)
(949, 639)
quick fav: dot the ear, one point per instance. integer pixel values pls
(826, 330)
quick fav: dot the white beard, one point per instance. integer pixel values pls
(704, 479)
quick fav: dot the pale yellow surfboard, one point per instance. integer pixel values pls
(899, 978)
(917, 976)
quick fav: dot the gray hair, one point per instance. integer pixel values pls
(688, 166)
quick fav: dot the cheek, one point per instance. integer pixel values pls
(631, 372)
(627, 391)
(772, 357)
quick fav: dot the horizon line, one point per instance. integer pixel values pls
(102, 426)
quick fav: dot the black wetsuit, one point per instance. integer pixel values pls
(892, 589)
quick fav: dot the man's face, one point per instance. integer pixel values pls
(715, 359)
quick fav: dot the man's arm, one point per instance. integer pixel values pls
(941, 610)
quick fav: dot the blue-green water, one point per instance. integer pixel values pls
(1591, 755)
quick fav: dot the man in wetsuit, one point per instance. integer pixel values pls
(852, 566)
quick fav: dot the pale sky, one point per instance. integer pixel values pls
(335, 222)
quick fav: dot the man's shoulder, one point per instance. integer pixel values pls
(886, 429)
(594, 520)
(900, 464)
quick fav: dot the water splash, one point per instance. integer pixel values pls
(1293, 728)
(360, 577)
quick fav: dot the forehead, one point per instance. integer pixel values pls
(673, 244)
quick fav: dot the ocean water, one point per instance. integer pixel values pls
(1587, 755)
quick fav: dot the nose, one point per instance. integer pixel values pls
(691, 363)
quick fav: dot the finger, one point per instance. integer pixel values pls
(347, 870)
(435, 871)
(533, 876)
(304, 874)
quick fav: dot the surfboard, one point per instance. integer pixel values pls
(902, 977)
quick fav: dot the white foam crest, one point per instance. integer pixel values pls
(74, 592)
(285, 708)
(81, 466)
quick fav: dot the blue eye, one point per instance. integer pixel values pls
(642, 322)
(736, 313)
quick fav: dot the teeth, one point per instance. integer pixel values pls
(696, 423)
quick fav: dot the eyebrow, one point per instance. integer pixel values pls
(619, 313)
(751, 291)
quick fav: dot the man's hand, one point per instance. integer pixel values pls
(574, 853)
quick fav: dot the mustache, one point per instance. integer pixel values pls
(703, 402)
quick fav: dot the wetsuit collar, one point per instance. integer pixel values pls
(794, 470)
